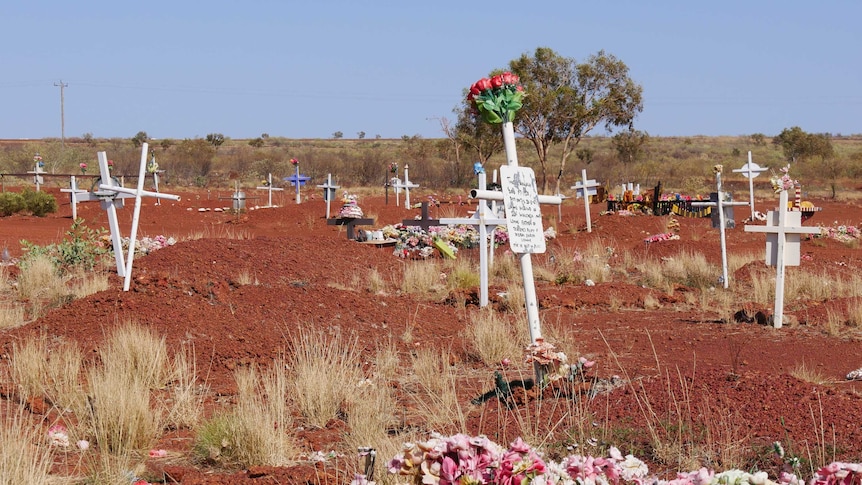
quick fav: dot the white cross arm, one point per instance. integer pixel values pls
(133, 192)
(783, 230)
(494, 195)
(270, 188)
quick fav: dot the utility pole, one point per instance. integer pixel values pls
(62, 119)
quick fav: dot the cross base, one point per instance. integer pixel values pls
(351, 223)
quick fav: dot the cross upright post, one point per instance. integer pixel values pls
(719, 204)
(585, 188)
(328, 192)
(269, 188)
(73, 191)
(749, 171)
(783, 229)
(483, 218)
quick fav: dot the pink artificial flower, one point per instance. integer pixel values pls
(158, 453)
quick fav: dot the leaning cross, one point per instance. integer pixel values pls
(111, 194)
(74, 191)
(783, 229)
(328, 192)
(269, 188)
(585, 188)
(749, 171)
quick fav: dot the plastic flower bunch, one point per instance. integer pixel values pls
(783, 181)
(555, 364)
(838, 473)
(83, 167)
(294, 162)
(497, 99)
(590, 470)
(453, 460)
(501, 236)
(58, 436)
(519, 464)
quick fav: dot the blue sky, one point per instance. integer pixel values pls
(184, 69)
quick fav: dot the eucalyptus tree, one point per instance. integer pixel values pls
(566, 100)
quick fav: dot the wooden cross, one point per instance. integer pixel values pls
(269, 188)
(783, 229)
(328, 192)
(484, 218)
(297, 180)
(749, 171)
(425, 222)
(73, 190)
(585, 188)
(406, 184)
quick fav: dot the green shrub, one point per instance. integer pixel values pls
(39, 203)
(81, 248)
(10, 203)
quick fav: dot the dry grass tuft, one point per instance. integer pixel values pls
(186, 393)
(424, 279)
(324, 373)
(436, 399)
(39, 280)
(25, 456)
(809, 374)
(11, 316)
(491, 337)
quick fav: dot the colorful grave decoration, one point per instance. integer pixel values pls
(350, 208)
(840, 232)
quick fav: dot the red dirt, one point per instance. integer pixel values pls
(737, 372)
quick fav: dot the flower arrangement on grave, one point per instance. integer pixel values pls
(37, 159)
(152, 165)
(842, 233)
(476, 460)
(782, 181)
(143, 246)
(83, 167)
(294, 162)
(393, 167)
(497, 99)
(500, 236)
(350, 208)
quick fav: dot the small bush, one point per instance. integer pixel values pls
(10, 203)
(39, 203)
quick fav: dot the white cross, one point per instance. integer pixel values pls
(269, 188)
(37, 177)
(485, 218)
(720, 204)
(749, 171)
(328, 192)
(783, 232)
(585, 188)
(530, 299)
(111, 196)
(406, 185)
(73, 190)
